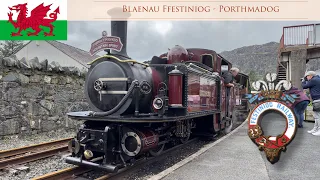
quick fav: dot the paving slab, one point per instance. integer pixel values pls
(237, 157)
(301, 160)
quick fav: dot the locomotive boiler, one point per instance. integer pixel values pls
(141, 109)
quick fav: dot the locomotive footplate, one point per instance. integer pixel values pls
(85, 115)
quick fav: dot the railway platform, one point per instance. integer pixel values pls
(237, 157)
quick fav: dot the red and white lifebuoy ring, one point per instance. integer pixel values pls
(272, 142)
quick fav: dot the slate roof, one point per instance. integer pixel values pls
(18, 49)
(77, 54)
(82, 56)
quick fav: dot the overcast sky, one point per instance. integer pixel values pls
(146, 39)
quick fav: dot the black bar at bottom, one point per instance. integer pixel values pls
(76, 161)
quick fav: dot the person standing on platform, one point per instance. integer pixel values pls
(311, 81)
(300, 105)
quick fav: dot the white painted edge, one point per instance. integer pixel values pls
(193, 156)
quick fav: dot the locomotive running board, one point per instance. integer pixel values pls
(85, 115)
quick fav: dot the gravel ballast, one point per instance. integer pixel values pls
(15, 141)
(36, 168)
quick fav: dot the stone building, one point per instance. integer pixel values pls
(65, 55)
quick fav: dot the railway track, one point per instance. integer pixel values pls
(31, 153)
(64, 174)
(77, 171)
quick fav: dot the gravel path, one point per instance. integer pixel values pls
(9, 142)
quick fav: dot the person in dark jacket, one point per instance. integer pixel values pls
(300, 105)
(228, 77)
(311, 81)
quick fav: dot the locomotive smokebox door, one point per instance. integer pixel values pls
(175, 88)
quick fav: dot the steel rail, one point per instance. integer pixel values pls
(71, 173)
(64, 174)
(67, 173)
(31, 153)
(21, 150)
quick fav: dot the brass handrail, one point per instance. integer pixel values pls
(113, 57)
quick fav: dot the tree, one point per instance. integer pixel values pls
(253, 76)
(8, 48)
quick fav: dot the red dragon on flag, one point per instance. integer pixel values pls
(36, 19)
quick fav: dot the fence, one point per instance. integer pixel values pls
(308, 34)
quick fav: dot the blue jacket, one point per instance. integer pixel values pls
(314, 86)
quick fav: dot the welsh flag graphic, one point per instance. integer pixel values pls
(33, 20)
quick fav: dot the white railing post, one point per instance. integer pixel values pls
(314, 34)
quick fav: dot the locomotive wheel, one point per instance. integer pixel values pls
(157, 151)
(187, 125)
(185, 139)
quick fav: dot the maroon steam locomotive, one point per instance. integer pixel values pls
(140, 109)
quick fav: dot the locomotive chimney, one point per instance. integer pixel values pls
(119, 28)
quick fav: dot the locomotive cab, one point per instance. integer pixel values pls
(205, 62)
(243, 87)
(225, 66)
(208, 60)
(226, 101)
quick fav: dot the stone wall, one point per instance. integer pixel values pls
(35, 96)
